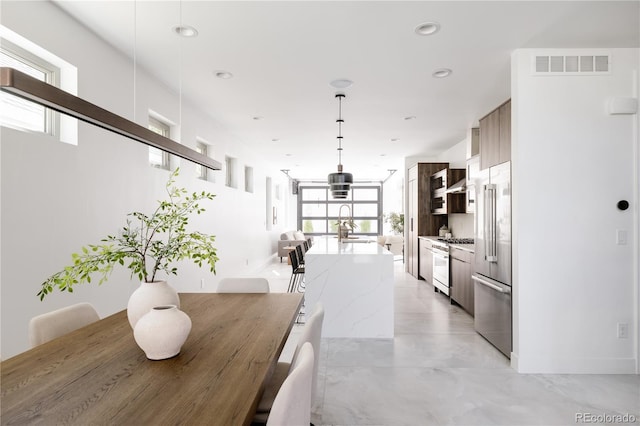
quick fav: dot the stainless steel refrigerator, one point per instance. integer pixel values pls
(492, 277)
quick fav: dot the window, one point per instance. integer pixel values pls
(318, 213)
(19, 113)
(248, 179)
(157, 157)
(201, 171)
(230, 168)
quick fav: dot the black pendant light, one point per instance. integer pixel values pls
(340, 182)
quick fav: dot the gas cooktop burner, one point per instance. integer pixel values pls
(457, 240)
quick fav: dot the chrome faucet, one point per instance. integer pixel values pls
(340, 226)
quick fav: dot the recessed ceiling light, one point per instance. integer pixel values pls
(394, 140)
(258, 117)
(341, 83)
(287, 155)
(383, 155)
(410, 117)
(427, 28)
(225, 75)
(442, 73)
(275, 140)
(185, 31)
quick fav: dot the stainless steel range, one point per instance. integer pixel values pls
(441, 266)
(441, 261)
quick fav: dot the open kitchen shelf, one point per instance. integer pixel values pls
(443, 202)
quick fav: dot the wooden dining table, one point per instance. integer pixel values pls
(97, 375)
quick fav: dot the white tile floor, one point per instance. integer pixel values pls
(439, 371)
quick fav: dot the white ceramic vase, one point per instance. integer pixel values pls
(162, 331)
(149, 295)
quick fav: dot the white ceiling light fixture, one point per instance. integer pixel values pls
(185, 31)
(341, 83)
(427, 28)
(225, 75)
(441, 73)
(340, 182)
(409, 117)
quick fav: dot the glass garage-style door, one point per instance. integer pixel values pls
(318, 212)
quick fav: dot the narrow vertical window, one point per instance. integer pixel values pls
(248, 179)
(230, 169)
(157, 157)
(201, 171)
(19, 113)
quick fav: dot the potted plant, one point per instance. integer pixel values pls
(147, 245)
(396, 220)
(347, 225)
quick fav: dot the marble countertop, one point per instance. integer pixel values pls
(354, 282)
(331, 245)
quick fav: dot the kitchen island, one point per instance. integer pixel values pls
(354, 282)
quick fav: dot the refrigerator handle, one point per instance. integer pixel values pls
(491, 252)
(490, 285)
(485, 228)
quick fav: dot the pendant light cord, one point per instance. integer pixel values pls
(180, 77)
(135, 57)
(340, 121)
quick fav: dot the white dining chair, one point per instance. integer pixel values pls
(45, 327)
(243, 285)
(292, 405)
(311, 333)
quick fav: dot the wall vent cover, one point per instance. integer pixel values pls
(581, 64)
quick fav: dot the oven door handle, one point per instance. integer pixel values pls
(490, 285)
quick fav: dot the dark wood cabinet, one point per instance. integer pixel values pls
(443, 202)
(419, 221)
(426, 259)
(461, 284)
(495, 136)
(505, 132)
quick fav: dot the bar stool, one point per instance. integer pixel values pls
(297, 273)
(300, 251)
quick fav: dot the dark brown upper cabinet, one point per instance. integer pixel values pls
(495, 136)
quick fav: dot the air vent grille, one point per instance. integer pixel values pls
(572, 64)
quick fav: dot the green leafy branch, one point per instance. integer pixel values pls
(146, 245)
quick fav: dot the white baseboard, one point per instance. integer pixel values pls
(537, 365)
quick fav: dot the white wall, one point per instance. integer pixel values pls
(571, 164)
(456, 156)
(58, 197)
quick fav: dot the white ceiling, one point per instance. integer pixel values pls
(284, 54)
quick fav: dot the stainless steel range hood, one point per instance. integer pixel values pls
(25, 86)
(458, 187)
